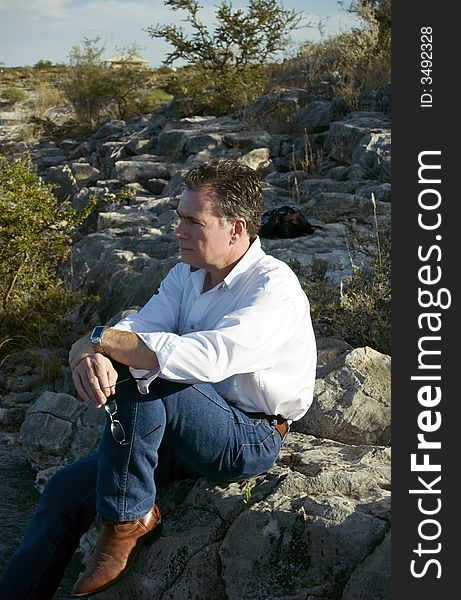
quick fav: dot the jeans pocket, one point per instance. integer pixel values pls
(254, 458)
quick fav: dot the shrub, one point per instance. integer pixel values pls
(225, 71)
(98, 92)
(35, 237)
(87, 85)
(359, 310)
(13, 94)
(46, 97)
(43, 65)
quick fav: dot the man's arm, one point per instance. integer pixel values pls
(123, 346)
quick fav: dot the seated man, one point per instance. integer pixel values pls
(204, 380)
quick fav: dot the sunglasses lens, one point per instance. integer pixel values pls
(117, 431)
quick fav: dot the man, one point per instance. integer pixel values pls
(204, 380)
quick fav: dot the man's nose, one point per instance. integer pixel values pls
(180, 231)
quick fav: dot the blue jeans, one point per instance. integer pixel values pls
(174, 432)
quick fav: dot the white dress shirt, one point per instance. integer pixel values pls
(250, 336)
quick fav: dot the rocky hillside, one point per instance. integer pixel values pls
(318, 524)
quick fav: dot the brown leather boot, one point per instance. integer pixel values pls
(115, 551)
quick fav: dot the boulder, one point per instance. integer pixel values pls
(82, 150)
(373, 154)
(84, 174)
(379, 100)
(113, 129)
(336, 207)
(352, 399)
(251, 140)
(275, 111)
(372, 579)
(381, 191)
(257, 159)
(346, 135)
(156, 185)
(48, 429)
(313, 118)
(327, 244)
(140, 170)
(299, 531)
(265, 106)
(124, 266)
(59, 428)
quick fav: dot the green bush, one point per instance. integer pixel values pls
(87, 86)
(98, 92)
(43, 65)
(35, 237)
(201, 91)
(225, 64)
(13, 94)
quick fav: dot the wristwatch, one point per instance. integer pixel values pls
(96, 338)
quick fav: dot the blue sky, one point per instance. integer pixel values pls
(31, 30)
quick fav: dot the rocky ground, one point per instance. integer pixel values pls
(318, 524)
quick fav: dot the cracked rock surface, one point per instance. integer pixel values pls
(316, 525)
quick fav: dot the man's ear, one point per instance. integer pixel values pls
(239, 228)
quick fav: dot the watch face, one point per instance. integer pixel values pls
(97, 333)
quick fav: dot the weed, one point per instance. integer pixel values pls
(359, 309)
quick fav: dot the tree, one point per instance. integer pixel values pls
(227, 62)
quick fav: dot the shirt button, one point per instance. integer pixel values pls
(192, 326)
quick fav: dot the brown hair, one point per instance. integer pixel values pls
(237, 190)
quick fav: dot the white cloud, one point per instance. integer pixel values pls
(35, 8)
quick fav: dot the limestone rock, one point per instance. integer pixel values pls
(59, 428)
(250, 140)
(112, 129)
(48, 428)
(136, 170)
(257, 159)
(84, 173)
(299, 531)
(372, 579)
(22, 383)
(329, 349)
(313, 118)
(345, 135)
(62, 177)
(374, 155)
(352, 399)
(332, 207)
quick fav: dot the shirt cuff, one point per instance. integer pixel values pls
(161, 343)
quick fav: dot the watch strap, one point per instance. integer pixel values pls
(96, 338)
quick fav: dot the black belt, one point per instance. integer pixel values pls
(276, 421)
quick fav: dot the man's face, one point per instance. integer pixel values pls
(204, 240)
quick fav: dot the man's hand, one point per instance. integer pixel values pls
(94, 378)
(80, 350)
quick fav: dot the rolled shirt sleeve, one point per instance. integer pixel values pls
(245, 340)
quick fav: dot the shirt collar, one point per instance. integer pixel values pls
(250, 258)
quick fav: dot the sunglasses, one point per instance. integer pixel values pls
(116, 428)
